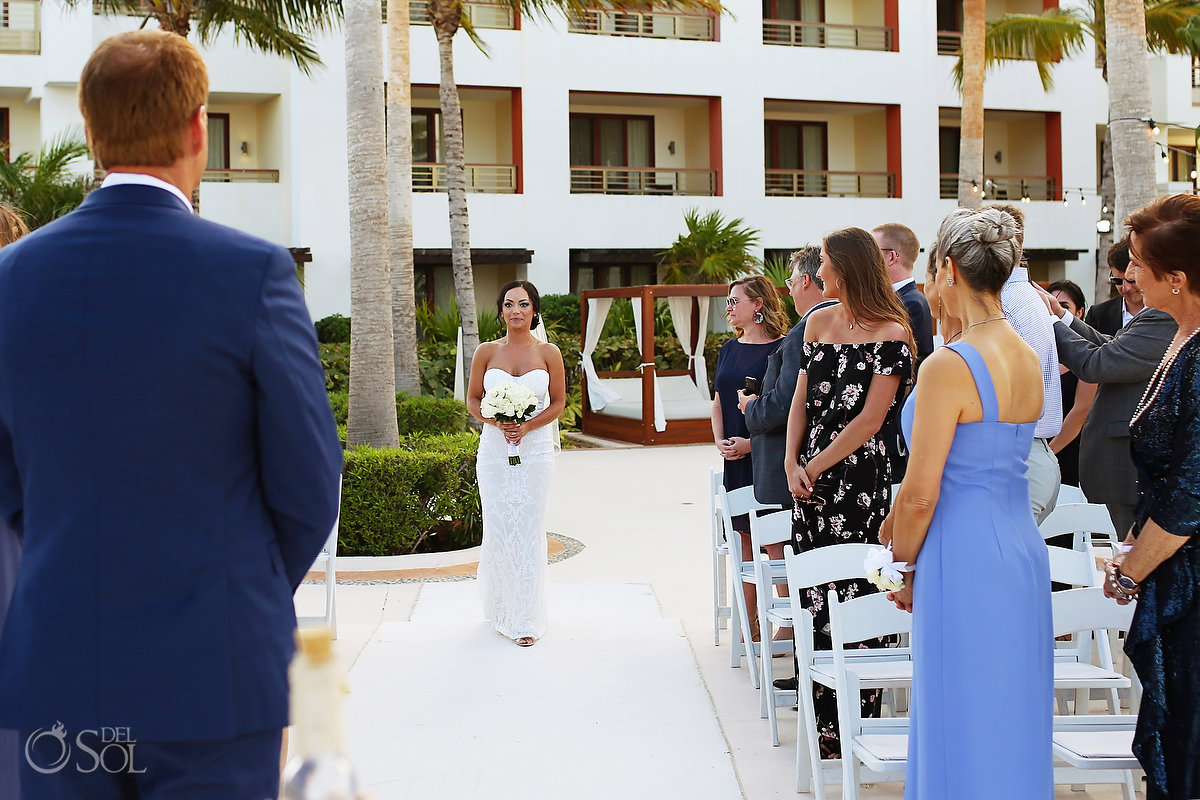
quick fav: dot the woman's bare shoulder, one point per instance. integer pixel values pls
(892, 331)
(550, 352)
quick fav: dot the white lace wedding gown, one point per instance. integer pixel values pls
(512, 566)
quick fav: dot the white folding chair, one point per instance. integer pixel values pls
(731, 504)
(720, 550)
(773, 612)
(328, 558)
(1082, 520)
(890, 667)
(1070, 494)
(1096, 750)
(880, 745)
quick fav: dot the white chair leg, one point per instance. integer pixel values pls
(1127, 790)
(808, 752)
(716, 570)
(737, 648)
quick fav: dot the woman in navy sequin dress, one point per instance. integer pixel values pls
(756, 313)
(1162, 570)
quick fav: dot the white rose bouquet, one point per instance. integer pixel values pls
(509, 402)
(884, 571)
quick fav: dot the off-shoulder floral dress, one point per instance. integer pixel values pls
(859, 489)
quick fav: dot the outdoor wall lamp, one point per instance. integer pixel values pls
(245, 148)
(671, 147)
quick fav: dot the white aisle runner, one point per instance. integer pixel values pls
(608, 705)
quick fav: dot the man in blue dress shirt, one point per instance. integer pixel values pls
(168, 454)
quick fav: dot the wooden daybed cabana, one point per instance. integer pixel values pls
(647, 405)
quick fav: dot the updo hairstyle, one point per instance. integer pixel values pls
(534, 298)
(983, 245)
(1167, 231)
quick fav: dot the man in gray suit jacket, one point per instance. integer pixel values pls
(1122, 365)
(767, 415)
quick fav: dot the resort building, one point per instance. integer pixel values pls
(588, 138)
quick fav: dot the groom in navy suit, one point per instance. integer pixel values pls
(168, 453)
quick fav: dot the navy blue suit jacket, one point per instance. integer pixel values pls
(168, 453)
(921, 321)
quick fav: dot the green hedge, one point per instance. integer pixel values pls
(334, 328)
(414, 415)
(420, 498)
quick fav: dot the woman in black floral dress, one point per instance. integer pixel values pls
(854, 369)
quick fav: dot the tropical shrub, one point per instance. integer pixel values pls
(334, 328)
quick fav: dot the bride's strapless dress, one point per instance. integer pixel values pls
(512, 566)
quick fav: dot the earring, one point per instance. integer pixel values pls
(949, 280)
(1175, 290)
(838, 283)
(759, 318)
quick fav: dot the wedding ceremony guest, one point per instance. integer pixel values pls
(1162, 570)
(168, 454)
(855, 365)
(1025, 311)
(1113, 314)
(512, 564)
(963, 524)
(1120, 366)
(1076, 395)
(756, 314)
(12, 227)
(900, 248)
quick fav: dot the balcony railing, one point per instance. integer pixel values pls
(241, 175)
(20, 27)
(826, 183)
(949, 43)
(824, 34)
(643, 180)
(649, 25)
(482, 15)
(481, 178)
(1004, 187)
(1196, 82)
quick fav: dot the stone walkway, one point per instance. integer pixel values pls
(613, 701)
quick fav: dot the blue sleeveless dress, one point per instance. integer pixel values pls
(983, 672)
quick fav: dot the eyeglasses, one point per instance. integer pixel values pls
(732, 301)
(1118, 281)
(789, 282)
(888, 250)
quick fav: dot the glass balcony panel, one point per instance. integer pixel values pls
(481, 14)
(650, 24)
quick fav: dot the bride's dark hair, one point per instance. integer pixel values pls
(534, 298)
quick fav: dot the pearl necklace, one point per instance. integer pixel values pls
(1155, 384)
(983, 322)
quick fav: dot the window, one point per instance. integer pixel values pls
(1182, 162)
(608, 276)
(949, 15)
(428, 136)
(797, 145)
(218, 141)
(798, 10)
(4, 142)
(612, 141)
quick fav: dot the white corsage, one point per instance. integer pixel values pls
(509, 402)
(884, 571)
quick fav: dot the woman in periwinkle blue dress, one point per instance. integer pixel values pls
(983, 682)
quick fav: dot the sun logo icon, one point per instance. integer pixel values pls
(34, 753)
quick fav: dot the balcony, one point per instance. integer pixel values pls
(824, 183)
(480, 178)
(1003, 187)
(1022, 155)
(819, 149)
(949, 43)
(643, 180)
(1196, 82)
(241, 176)
(20, 27)
(482, 15)
(647, 25)
(635, 144)
(823, 34)
(949, 19)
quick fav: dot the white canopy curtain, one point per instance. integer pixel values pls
(681, 317)
(598, 394)
(660, 416)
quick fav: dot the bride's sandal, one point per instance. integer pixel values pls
(525, 641)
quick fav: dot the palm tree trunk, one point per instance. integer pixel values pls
(970, 154)
(1107, 199)
(446, 18)
(372, 418)
(400, 213)
(1128, 106)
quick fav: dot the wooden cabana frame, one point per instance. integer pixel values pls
(678, 431)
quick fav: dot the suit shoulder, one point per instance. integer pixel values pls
(225, 237)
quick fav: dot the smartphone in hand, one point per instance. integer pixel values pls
(752, 387)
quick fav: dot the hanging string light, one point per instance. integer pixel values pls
(1082, 199)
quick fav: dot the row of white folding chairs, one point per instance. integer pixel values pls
(1097, 747)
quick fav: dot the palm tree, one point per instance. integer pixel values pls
(1129, 108)
(400, 214)
(712, 251)
(372, 415)
(269, 26)
(446, 17)
(47, 188)
(1171, 26)
(970, 153)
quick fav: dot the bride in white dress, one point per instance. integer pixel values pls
(512, 566)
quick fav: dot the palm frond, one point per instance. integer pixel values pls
(712, 251)
(268, 25)
(1045, 38)
(1173, 26)
(545, 9)
(46, 188)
